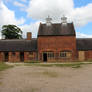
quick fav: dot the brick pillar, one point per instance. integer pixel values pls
(35, 56)
(10, 57)
(17, 56)
(40, 56)
(26, 56)
(1, 56)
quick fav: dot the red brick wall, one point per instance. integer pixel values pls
(14, 58)
(28, 58)
(57, 44)
(88, 54)
(1, 56)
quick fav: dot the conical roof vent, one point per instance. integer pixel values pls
(64, 20)
(48, 21)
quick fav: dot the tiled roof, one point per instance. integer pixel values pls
(56, 30)
(84, 44)
(18, 45)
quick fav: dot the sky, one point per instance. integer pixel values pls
(27, 14)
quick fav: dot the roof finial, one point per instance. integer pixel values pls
(64, 19)
(48, 21)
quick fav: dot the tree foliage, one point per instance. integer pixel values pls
(11, 32)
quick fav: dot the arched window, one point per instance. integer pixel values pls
(65, 54)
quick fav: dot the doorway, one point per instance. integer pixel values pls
(22, 56)
(45, 57)
(6, 56)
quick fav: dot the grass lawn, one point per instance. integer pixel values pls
(71, 64)
(4, 66)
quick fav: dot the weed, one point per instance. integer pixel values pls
(4, 66)
(50, 74)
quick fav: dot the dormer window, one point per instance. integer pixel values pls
(48, 21)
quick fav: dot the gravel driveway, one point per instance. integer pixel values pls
(46, 79)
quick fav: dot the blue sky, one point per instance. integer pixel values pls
(79, 3)
(86, 29)
(24, 8)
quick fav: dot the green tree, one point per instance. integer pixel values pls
(11, 32)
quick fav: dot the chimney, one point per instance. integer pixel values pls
(29, 35)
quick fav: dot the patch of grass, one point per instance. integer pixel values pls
(0, 83)
(18, 64)
(29, 90)
(72, 64)
(50, 74)
(32, 62)
(4, 66)
(34, 89)
(76, 66)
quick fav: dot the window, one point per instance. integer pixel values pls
(62, 54)
(50, 55)
(13, 53)
(65, 54)
(31, 54)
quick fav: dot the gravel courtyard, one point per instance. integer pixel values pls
(46, 79)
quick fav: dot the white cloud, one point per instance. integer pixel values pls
(8, 17)
(33, 27)
(24, 0)
(83, 15)
(40, 9)
(19, 4)
(81, 35)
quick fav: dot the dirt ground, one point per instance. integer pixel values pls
(46, 79)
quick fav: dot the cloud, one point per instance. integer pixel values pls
(81, 35)
(23, 0)
(19, 4)
(15, 0)
(32, 27)
(8, 17)
(82, 15)
(40, 9)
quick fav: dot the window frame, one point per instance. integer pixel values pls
(64, 54)
(50, 54)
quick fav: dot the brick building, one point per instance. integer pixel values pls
(55, 42)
